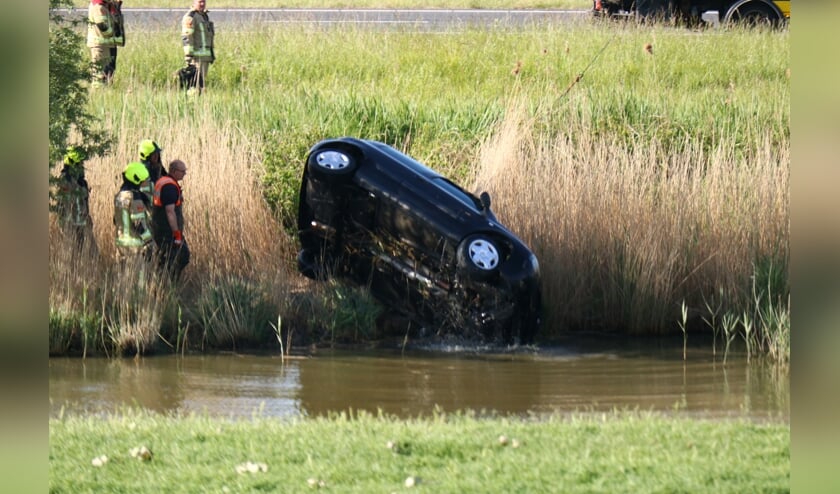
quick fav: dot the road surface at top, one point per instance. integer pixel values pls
(415, 19)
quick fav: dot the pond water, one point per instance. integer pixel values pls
(581, 376)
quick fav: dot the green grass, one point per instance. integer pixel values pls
(617, 452)
(306, 82)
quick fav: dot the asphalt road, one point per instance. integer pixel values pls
(415, 19)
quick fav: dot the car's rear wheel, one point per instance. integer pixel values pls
(478, 258)
(332, 164)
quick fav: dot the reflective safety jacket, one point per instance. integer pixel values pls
(131, 216)
(197, 36)
(163, 232)
(105, 24)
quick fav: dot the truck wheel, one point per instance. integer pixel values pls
(752, 14)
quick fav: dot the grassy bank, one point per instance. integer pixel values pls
(658, 182)
(444, 454)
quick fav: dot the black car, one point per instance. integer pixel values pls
(425, 247)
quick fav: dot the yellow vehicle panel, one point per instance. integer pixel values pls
(784, 6)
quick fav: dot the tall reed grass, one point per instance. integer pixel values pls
(626, 236)
(100, 306)
(660, 178)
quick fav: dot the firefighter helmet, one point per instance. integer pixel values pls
(73, 156)
(147, 148)
(136, 173)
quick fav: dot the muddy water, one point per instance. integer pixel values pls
(574, 377)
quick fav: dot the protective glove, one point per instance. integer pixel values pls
(177, 238)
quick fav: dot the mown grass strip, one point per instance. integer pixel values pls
(617, 452)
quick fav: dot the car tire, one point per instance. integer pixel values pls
(309, 266)
(478, 258)
(332, 164)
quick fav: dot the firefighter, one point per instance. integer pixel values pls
(132, 215)
(168, 217)
(73, 194)
(105, 35)
(197, 36)
(149, 152)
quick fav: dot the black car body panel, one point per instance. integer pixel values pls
(376, 217)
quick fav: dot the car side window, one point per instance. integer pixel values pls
(462, 195)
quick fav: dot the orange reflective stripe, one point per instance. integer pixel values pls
(165, 180)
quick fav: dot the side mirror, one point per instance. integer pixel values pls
(485, 200)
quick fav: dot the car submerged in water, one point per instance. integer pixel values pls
(422, 245)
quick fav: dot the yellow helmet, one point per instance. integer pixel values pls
(136, 173)
(73, 156)
(147, 148)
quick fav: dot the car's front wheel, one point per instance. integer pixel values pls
(478, 258)
(332, 163)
